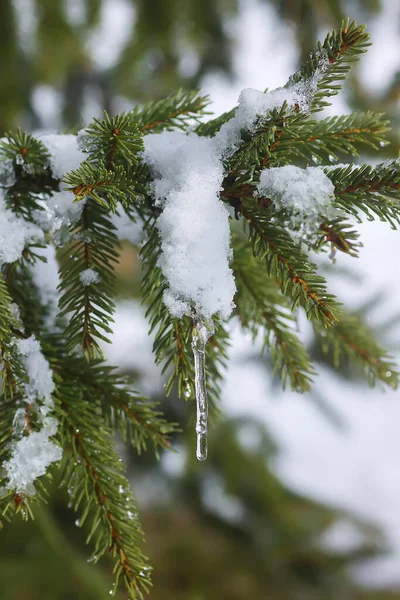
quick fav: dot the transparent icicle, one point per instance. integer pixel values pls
(202, 331)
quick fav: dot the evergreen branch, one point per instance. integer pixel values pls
(351, 338)
(99, 489)
(330, 63)
(25, 294)
(106, 187)
(28, 177)
(10, 503)
(133, 416)
(12, 369)
(286, 263)
(260, 304)
(113, 140)
(29, 156)
(372, 190)
(325, 140)
(316, 78)
(340, 236)
(262, 141)
(87, 302)
(175, 111)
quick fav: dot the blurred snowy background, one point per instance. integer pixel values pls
(340, 447)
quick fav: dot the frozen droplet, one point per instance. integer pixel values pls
(77, 523)
(92, 558)
(202, 331)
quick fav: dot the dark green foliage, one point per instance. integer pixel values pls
(276, 278)
(114, 140)
(372, 190)
(174, 112)
(27, 152)
(89, 307)
(285, 262)
(105, 186)
(13, 371)
(333, 59)
(262, 307)
(351, 338)
(329, 139)
(99, 490)
(134, 417)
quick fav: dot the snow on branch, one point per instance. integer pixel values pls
(188, 172)
(305, 195)
(32, 453)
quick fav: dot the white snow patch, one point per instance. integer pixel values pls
(89, 276)
(58, 212)
(46, 278)
(127, 229)
(30, 459)
(305, 194)
(194, 225)
(7, 173)
(40, 384)
(16, 313)
(15, 234)
(32, 454)
(65, 154)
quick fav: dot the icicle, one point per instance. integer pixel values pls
(202, 331)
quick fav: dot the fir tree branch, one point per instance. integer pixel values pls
(175, 111)
(113, 141)
(328, 64)
(326, 140)
(12, 369)
(107, 187)
(260, 305)
(340, 236)
(351, 338)
(28, 154)
(286, 263)
(337, 233)
(88, 306)
(133, 416)
(261, 142)
(372, 190)
(10, 503)
(98, 488)
(331, 61)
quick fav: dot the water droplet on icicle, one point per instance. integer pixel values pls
(202, 331)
